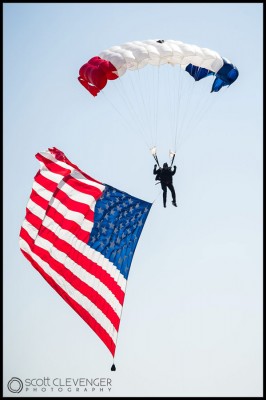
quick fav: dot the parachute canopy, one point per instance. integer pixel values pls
(159, 89)
(199, 62)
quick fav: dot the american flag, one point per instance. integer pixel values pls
(81, 235)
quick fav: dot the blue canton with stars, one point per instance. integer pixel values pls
(118, 222)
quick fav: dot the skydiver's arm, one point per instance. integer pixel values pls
(174, 171)
(155, 170)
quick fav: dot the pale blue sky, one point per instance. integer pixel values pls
(192, 317)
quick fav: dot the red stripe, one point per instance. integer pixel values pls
(74, 281)
(33, 219)
(95, 326)
(46, 182)
(52, 166)
(73, 204)
(36, 198)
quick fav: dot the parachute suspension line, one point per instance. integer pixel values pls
(188, 106)
(198, 99)
(146, 89)
(129, 103)
(169, 97)
(152, 101)
(158, 193)
(113, 368)
(176, 103)
(201, 110)
(180, 84)
(132, 100)
(209, 104)
(156, 101)
(124, 120)
(170, 100)
(115, 108)
(135, 121)
(206, 101)
(144, 105)
(139, 116)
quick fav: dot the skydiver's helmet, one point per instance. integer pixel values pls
(165, 165)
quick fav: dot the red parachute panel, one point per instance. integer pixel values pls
(95, 73)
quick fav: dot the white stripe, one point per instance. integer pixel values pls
(79, 177)
(52, 176)
(82, 300)
(36, 209)
(76, 195)
(31, 230)
(42, 191)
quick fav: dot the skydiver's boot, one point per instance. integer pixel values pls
(164, 200)
(174, 203)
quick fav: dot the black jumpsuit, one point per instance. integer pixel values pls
(166, 179)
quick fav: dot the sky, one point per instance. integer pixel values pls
(192, 318)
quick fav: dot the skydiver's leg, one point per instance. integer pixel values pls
(164, 188)
(172, 190)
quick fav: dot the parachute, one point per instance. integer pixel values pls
(198, 62)
(118, 62)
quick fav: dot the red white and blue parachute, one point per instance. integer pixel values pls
(199, 62)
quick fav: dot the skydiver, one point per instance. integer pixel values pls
(165, 176)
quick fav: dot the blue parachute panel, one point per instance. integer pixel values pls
(225, 76)
(198, 73)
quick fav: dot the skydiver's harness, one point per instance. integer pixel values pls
(157, 177)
